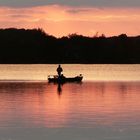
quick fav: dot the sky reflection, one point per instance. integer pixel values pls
(89, 104)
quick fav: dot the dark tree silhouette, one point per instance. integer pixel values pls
(36, 46)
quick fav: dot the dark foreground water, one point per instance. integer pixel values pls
(107, 109)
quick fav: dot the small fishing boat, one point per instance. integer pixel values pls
(63, 79)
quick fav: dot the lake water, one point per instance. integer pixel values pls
(105, 106)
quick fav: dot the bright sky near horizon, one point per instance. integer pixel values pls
(63, 17)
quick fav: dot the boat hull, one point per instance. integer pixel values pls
(64, 79)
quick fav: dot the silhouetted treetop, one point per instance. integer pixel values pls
(36, 46)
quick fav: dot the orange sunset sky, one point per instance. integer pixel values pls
(61, 19)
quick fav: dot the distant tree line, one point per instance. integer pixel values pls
(36, 46)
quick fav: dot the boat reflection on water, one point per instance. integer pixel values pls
(60, 81)
(59, 89)
(60, 85)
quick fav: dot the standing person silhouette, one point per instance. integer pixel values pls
(59, 70)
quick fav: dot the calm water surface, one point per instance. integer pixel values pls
(105, 106)
(90, 72)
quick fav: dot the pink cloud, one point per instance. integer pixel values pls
(63, 20)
